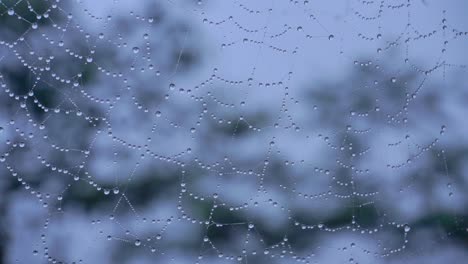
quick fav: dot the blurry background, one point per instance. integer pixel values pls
(235, 131)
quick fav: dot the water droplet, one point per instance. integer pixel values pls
(331, 37)
(11, 11)
(137, 242)
(136, 50)
(34, 25)
(407, 228)
(393, 80)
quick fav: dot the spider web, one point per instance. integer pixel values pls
(233, 131)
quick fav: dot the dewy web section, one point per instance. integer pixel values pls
(181, 131)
